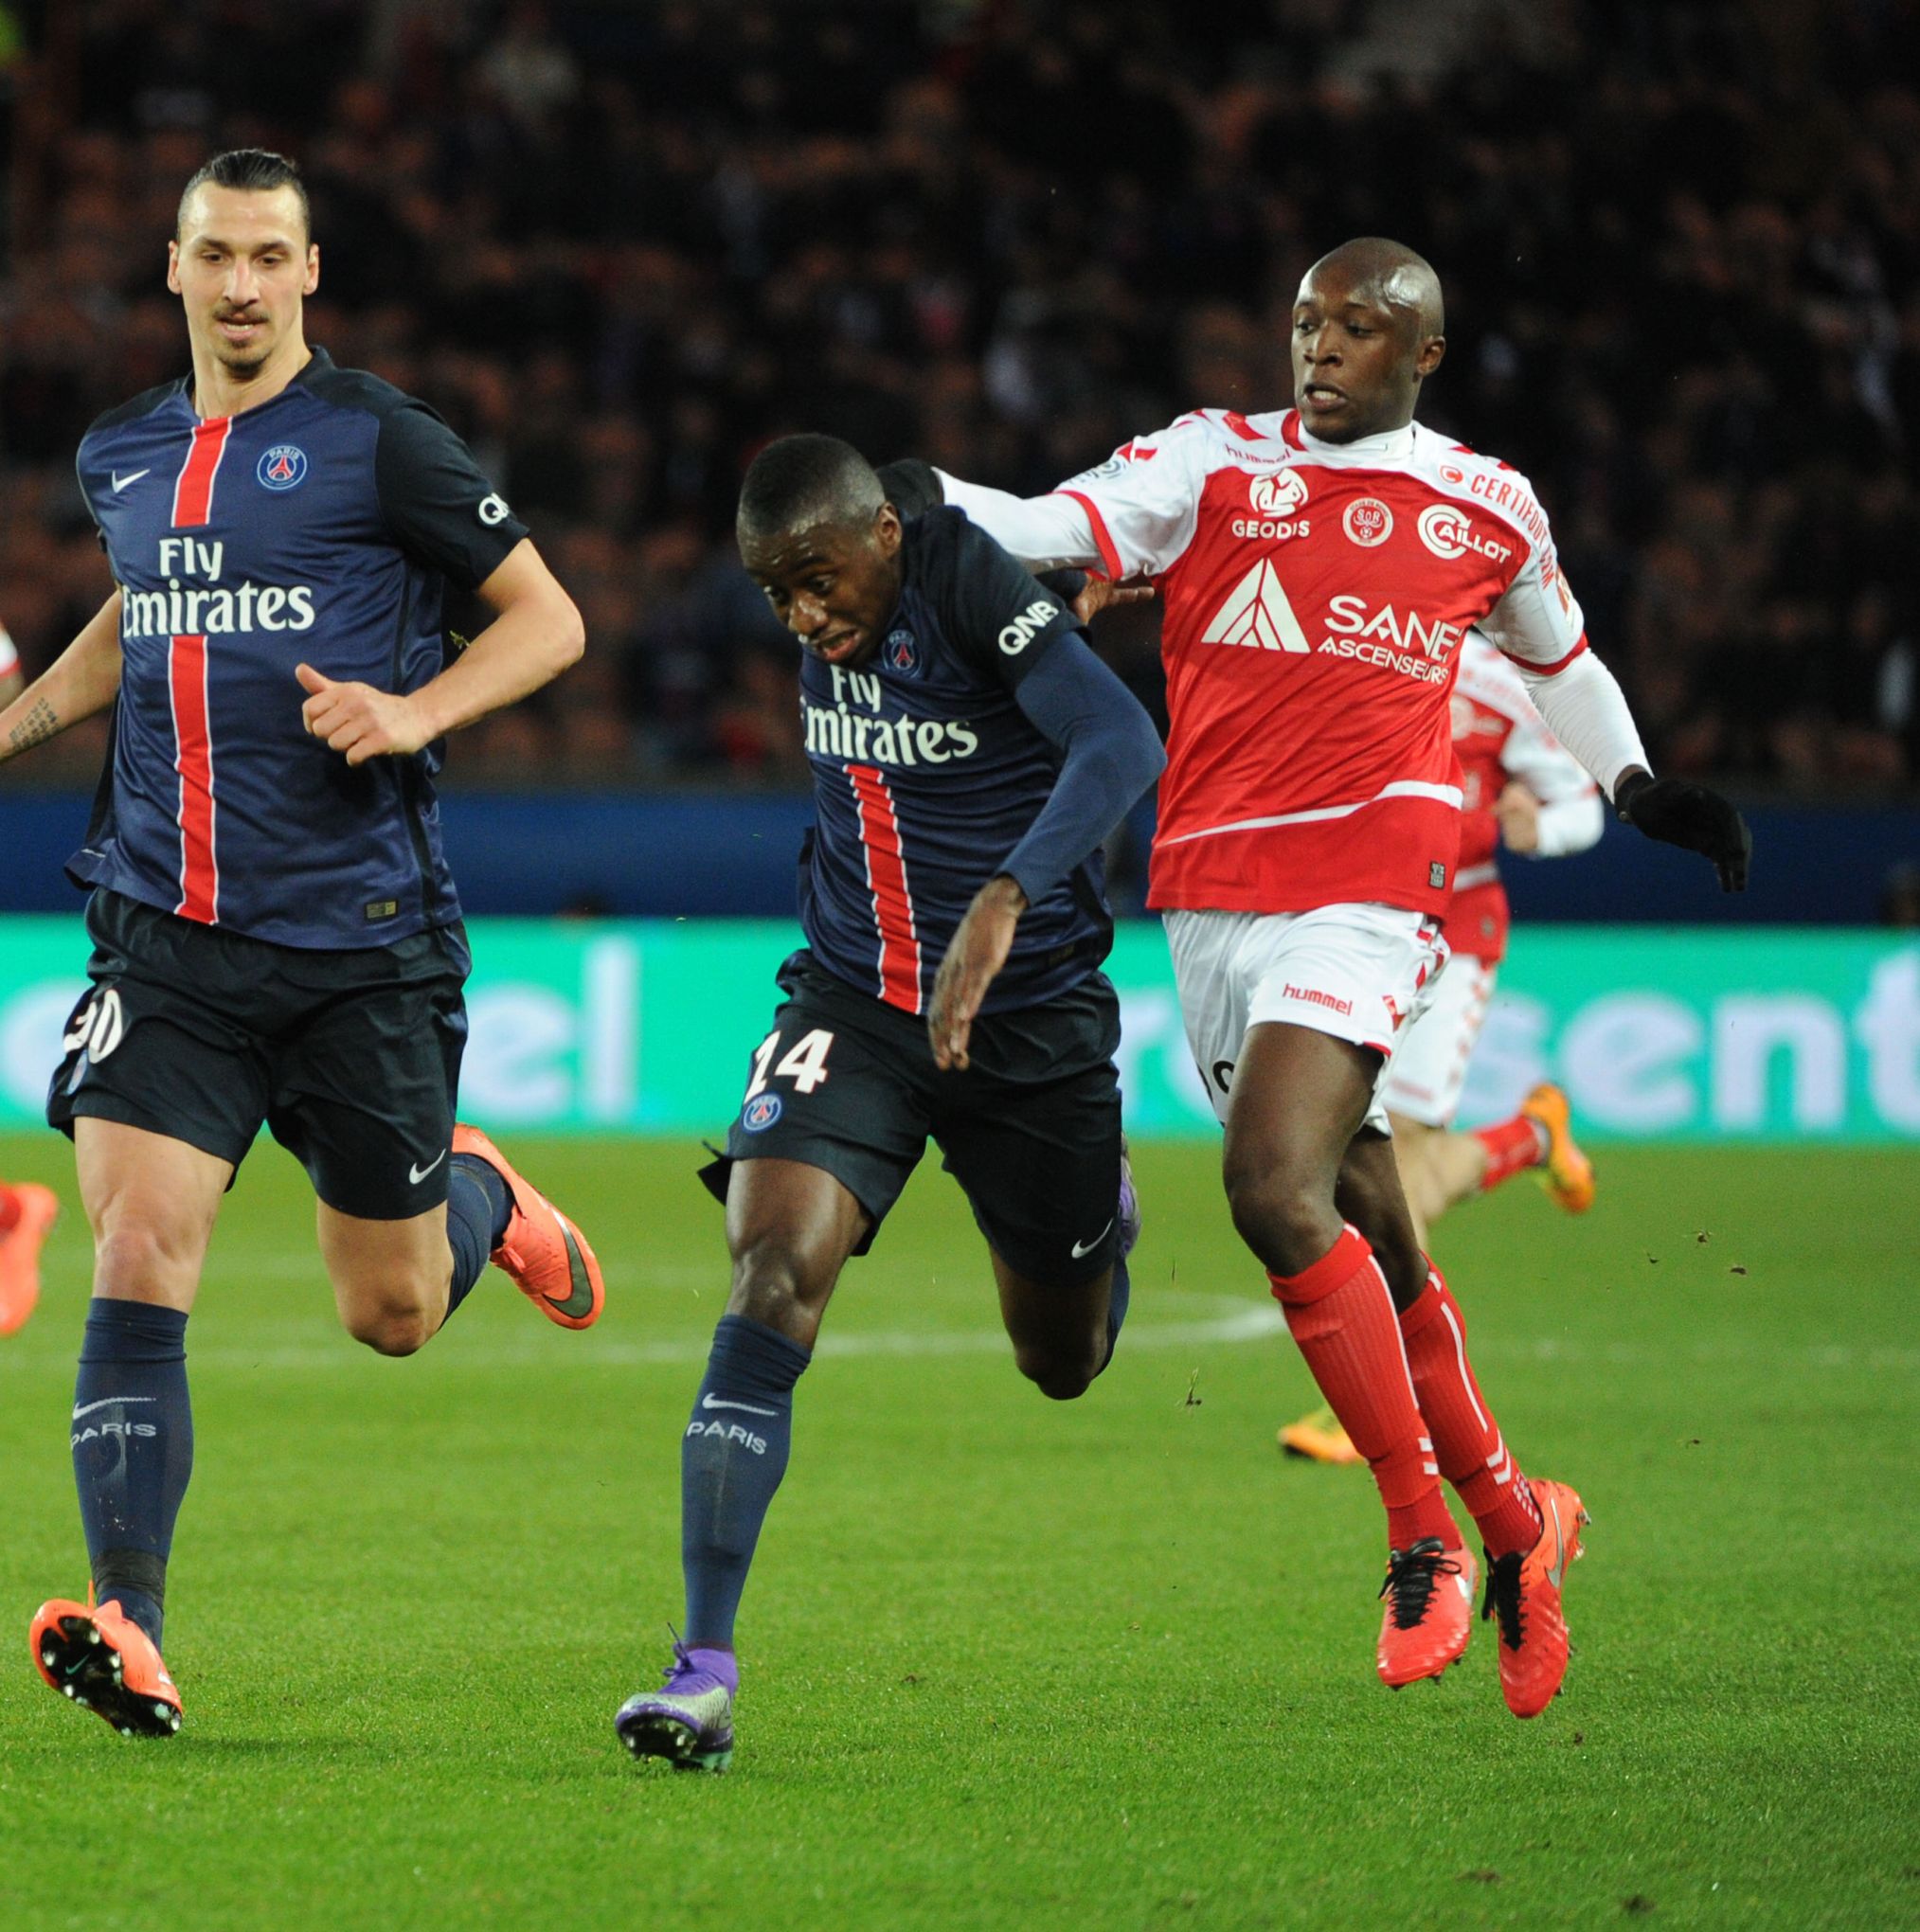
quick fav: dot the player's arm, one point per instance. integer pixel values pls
(1550, 807)
(82, 680)
(536, 635)
(1538, 625)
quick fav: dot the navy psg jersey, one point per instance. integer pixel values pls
(928, 774)
(322, 527)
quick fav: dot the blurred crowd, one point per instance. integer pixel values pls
(620, 244)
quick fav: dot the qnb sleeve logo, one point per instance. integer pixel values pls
(283, 467)
(1027, 626)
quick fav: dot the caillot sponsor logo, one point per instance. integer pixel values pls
(194, 602)
(1447, 530)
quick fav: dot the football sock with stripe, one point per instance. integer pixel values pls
(132, 1450)
(1512, 1148)
(1467, 1445)
(479, 1204)
(1341, 1314)
(731, 1461)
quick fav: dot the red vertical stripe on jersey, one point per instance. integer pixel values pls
(199, 868)
(187, 684)
(193, 491)
(887, 880)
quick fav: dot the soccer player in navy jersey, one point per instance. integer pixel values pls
(275, 933)
(970, 755)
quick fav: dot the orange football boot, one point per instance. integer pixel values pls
(1429, 1611)
(546, 1256)
(107, 1664)
(1523, 1594)
(20, 1252)
(1565, 1173)
(1319, 1438)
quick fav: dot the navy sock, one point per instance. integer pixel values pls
(132, 1450)
(1119, 1293)
(731, 1460)
(479, 1204)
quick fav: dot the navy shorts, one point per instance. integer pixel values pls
(1030, 1129)
(351, 1058)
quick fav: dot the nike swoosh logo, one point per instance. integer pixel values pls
(120, 482)
(420, 1173)
(714, 1402)
(581, 1301)
(1557, 1569)
(111, 1401)
(1083, 1248)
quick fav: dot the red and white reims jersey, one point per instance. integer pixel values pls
(1315, 596)
(1497, 736)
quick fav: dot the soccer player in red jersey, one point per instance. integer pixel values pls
(276, 939)
(1318, 567)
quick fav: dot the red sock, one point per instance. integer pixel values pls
(10, 1209)
(1340, 1314)
(1468, 1446)
(1512, 1148)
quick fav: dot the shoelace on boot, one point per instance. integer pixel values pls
(1412, 1576)
(1503, 1598)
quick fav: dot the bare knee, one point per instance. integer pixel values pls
(138, 1261)
(1059, 1374)
(394, 1316)
(1284, 1216)
(773, 1287)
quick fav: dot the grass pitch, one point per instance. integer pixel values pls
(1007, 1663)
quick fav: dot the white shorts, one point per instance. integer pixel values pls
(1360, 972)
(1430, 1064)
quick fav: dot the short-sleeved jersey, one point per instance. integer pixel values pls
(1497, 735)
(321, 527)
(928, 774)
(1313, 598)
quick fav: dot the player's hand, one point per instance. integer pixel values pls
(1517, 813)
(1098, 594)
(1681, 813)
(980, 949)
(357, 720)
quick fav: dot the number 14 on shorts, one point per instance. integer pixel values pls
(804, 1063)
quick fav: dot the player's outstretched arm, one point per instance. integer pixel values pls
(1111, 757)
(1587, 710)
(83, 679)
(536, 635)
(1043, 532)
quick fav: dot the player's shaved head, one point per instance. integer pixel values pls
(1368, 329)
(808, 482)
(1395, 274)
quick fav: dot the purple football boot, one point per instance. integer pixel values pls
(689, 1720)
(1129, 1206)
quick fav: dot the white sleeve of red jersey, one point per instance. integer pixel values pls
(1043, 532)
(1130, 517)
(1537, 621)
(1572, 816)
(1586, 709)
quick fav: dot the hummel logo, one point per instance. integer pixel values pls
(1086, 1248)
(109, 1401)
(120, 482)
(420, 1173)
(714, 1402)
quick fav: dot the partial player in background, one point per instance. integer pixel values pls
(28, 1210)
(970, 755)
(1521, 789)
(1318, 568)
(276, 938)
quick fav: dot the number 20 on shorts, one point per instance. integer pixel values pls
(805, 1063)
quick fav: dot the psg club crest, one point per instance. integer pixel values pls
(901, 652)
(281, 466)
(759, 1113)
